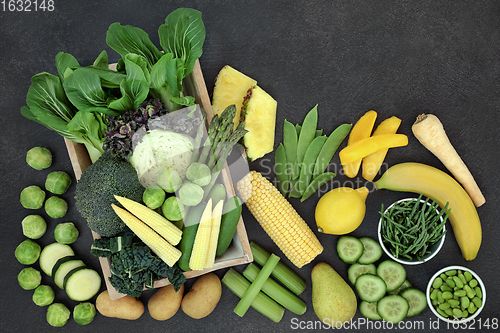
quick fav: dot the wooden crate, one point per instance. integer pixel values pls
(238, 253)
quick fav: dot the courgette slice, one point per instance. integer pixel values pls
(416, 299)
(393, 308)
(82, 283)
(63, 266)
(369, 310)
(51, 254)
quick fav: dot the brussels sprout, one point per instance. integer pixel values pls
(57, 182)
(199, 174)
(65, 233)
(169, 180)
(153, 197)
(43, 295)
(84, 313)
(56, 207)
(32, 197)
(34, 226)
(29, 278)
(39, 158)
(28, 252)
(190, 194)
(57, 314)
(173, 209)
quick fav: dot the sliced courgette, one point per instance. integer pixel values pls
(355, 270)
(82, 283)
(51, 254)
(372, 251)
(63, 266)
(349, 249)
(393, 308)
(370, 288)
(416, 299)
(369, 310)
(393, 273)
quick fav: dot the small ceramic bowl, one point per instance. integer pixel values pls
(434, 249)
(452, 320)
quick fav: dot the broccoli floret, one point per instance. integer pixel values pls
(108, 176)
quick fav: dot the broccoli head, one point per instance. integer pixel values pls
(108, 176)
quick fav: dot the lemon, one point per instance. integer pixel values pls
(341, 210)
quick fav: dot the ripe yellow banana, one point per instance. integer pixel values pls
(436, 184)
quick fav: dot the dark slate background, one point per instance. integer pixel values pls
(395, 57)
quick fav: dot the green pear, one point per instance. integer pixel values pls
(334, 301)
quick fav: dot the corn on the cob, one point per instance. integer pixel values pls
(214, 234)
(279, 219)
(158, 223)
(163, 249)
(200, 246)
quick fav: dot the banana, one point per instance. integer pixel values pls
(436, 184)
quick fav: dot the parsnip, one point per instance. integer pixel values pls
(431, 134)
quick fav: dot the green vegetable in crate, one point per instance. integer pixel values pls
(57, 182)
(199, 174)
(169, 180)
(173, 209)
(34, 226)
(43, 295)
(153, 197)
(108, 176)
(190, 194)
(39, 158)
(27, 252)
(66, 233)
(231, 214)
(32, 197)
(191, 223)
(56, 207)
(29, 278)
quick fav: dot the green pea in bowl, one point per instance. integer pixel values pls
(456, 294)
(411, 231)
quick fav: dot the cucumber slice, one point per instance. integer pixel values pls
(355, 270)
(82, 283)
(416, 300)
(370, 288)
(402, 287)
(372, 251)
(393, 273)
(393, 308)
(349, 249)
(63, 266)
(51, 254)
(369, 310)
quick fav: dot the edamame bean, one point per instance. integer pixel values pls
(444, 306)
(437, 282)
(473, 283)
(449, 311)
(434, 294)
(478, 291)
(458, 282)
(447, 295)
(440, 297)
(453, 303)
(462, 277)
(451, 272)
(472, 308)
(460, 293)
(442, 313)
(443, 276)
(450, 282)
(445, 287)
(464, 302)
(477, 302)
(457, 313)
(468, 276)
(470, 292)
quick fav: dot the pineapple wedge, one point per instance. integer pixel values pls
(259, 112)
(230, 88)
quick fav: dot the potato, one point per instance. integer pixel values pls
(165, 302)
(204, 295)
(126, 307)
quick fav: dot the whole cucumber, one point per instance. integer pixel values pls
(230, 217)
(189, 234)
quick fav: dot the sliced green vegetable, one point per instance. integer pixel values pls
(281, 272)
(276, 291)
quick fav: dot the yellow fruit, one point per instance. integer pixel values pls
(341, 210)
(259, 113)
(230, 88)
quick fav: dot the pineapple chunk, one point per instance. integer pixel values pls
(259, 113)
(230, 88)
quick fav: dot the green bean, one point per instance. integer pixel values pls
(330, 147)
(307, 133)
(316, 183)
(307, 167)
(280, 165)
(290, 144)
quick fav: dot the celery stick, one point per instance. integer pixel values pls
(262, 303)
(282, 272)
(276, 291)
(252, 291)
